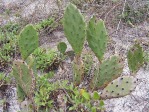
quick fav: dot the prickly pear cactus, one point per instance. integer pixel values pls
(97, 37)
(119, 87)
(62, 47)
(108, 70)
(135, 58)
(24, 77)
(28, 41)
(74, 28)
(78, 71)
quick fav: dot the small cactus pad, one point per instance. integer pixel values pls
(62, 47)
(119, 87)
(97, 37)
(74, 28)
(78, 71)
(108, 70)
(24, 76)
(135, 58)
(28, 41)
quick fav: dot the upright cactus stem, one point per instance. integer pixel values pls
(78, 70)
(97, 37)
(28, 41)
(74, 28)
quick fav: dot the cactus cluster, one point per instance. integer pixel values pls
(135, 58)
(97, 38)
(24, 77)
(119, 87)
(28, 41)
(108, 70)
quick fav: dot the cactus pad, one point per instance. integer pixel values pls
(28, 41)
(24, 77)
(108, 70)
(20, 93)
(135, 58)
(121, 86)
(74, 28)
(97, 37)
(62, 47)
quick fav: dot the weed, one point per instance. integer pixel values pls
(135, 16)
(45, 59)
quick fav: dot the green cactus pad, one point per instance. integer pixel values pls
(108, 70)
(28, 41)
(62, 47)
(24, 76)
(97, 37)
(135, 58)
(20, 93)
(74, 28)
(120, 87)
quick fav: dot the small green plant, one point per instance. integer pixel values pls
(45, 59)
(4, 79)
(81, 100)
(11, 27)
(134, 15)
(42, 95)
(46, 24)
(8, 49)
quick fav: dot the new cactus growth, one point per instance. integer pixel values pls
(135, 58)
(108, 70)
(119, 87)
(28, 41)
(24, 77)
(97, 37)
(62, 47)
(74, 28)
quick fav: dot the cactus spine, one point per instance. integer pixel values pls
(28, 41)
